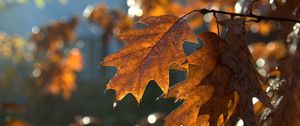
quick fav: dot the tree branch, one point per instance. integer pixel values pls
(258, 18)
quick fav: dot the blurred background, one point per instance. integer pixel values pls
(50, 51)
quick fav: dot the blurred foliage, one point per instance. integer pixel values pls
(13, 48)
(4, 4)
(56, 64)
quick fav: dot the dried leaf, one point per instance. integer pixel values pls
(223, 102)
(200, 64)
(205, 75)
(245, 79)
(148, 55)
(187, 113)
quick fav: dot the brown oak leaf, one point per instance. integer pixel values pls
(223, 102)
(245, 79)
(187, 113)
(200, 64)
(148, 55)
(206, 101)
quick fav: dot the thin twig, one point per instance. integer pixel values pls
(258, 18)
(215, 15)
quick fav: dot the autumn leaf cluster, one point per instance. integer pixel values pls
(221, 78)
(55, 69)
